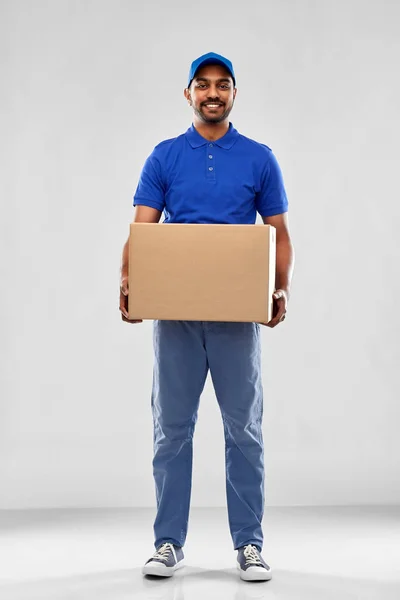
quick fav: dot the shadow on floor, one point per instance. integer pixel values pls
(191, 583)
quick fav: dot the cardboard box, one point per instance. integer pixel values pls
(201, 272)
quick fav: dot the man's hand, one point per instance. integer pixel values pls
(280, 302)
(123, 301)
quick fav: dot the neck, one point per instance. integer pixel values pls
(211, 131)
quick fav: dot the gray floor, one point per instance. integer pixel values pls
(315, 552)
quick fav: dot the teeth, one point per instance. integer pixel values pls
(213, 105)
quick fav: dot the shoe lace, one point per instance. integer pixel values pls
(163, 551)
(251, 555)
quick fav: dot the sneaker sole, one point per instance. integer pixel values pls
(251, 575)
(160, 570)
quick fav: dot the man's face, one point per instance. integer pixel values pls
(212, 85)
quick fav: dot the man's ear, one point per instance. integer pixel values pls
(187, 96)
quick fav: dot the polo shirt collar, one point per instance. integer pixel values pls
(226, 141)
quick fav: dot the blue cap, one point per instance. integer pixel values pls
(211, 58)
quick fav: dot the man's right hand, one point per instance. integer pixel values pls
(123, 301)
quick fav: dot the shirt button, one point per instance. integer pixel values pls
(210, 145)
(210, 168)
(210, 156)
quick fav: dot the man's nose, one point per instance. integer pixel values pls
(213, 92)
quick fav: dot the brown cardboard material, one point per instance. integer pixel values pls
(201, 272)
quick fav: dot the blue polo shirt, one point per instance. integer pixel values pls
(193, 180)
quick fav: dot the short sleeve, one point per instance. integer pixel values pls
(271, 199)
(150, 190)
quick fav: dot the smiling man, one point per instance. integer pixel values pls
(211, 174)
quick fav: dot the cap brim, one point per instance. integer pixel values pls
(212, 61)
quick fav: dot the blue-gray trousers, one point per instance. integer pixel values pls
(184, 351)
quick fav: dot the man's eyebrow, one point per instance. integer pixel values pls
(205, 79)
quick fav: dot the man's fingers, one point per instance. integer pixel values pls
(123, 303)
(280, 303)
(124, 312)
(279, 294)
(276, 320)
(124, 285)
(273, 322)
(278, 317)
(124, 318)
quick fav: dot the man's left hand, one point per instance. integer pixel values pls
(280, 302)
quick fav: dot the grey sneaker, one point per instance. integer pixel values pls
(165, 561)
(251, 564)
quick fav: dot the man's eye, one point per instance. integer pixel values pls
(223, 85)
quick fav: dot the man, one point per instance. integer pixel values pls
(211, 174)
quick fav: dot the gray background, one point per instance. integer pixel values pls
(87, 90)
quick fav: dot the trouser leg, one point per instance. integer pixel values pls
(234, 355)
(180, 371)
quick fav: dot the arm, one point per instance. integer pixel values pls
(143, 214)
(284, 264)
(284, 251)
(272, 205)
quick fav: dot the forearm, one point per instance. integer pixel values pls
(284, 265)
(125, 260)
(143, 214)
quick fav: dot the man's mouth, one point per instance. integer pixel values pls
(212, 105)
